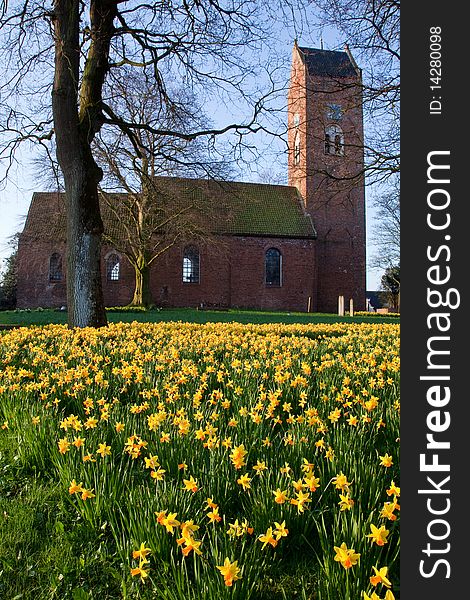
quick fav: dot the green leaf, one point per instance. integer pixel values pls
(80, 594)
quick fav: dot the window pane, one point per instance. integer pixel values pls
(112, 268)
(191, 265)
(273, 267)
(334, 140)
(55, 267)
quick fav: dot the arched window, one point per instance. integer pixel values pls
(191, 265)
(112, 267)
(334, 140)
(55, 267)
(273, 267)
(297, 149)
(327, 143)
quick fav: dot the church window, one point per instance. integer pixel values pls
(191, 265)
(296, 149)
(334, 140)
(113, 267)
(296, 120)
(55, 267)
(327, 143)
(273, 267)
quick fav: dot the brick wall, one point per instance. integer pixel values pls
(34, 287)
(232, 273)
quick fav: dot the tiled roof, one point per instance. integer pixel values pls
(328, 63)
(231, 208)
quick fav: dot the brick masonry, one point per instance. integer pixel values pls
(232, 274)
(332, 186)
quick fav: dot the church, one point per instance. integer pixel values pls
(294, 247)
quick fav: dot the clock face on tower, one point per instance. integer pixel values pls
(334, 112)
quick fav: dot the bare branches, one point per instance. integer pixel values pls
(372, 30)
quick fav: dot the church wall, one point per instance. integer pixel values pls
(248, 274)
(117, 293)
(34, 288)
(213, 289)
(335, 196)
(232, 274)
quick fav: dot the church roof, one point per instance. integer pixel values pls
(328, 63)
(226, 207)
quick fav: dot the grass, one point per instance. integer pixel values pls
(46, 551)
(189, 315)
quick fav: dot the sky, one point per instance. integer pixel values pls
(16, 194)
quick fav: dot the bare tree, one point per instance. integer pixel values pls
(151, 218)
(371, 29)
(390, 284)
(8, 277)
(386, 235)
(71, 50)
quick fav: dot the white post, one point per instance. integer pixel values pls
(341, 306)
(309, 303)
(351, 307)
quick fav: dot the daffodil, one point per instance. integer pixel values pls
(280, 496)
(157, 474)
(64, 445)
(151, 462)
(75, 488)
(378, 535)
(300, 501)
(244, 481)
(380, 577)
(230, 571)
(170, 522)
(139, 571)
(190, 485)
(341, 482)
(347, 557)
(268, 538)
(373, 597)
(388, 511)
(280, 530)
(393, 490)
(87, 494)
(312, 482)
(386, 460)
(237, 456)
(142, 552)
(214, 516)
(345, 503)
(104, 450)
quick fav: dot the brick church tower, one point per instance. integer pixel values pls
(326, 162)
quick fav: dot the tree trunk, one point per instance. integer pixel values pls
(84, 229)
(142, 293)
(76, 112)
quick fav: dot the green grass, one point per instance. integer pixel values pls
(190, 315)
(46, 551)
